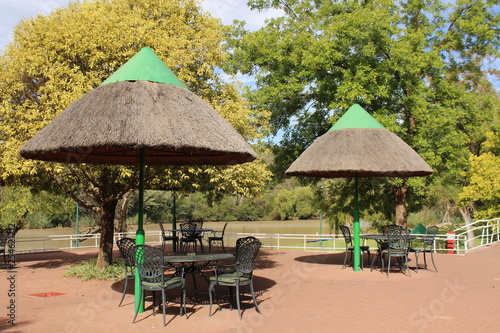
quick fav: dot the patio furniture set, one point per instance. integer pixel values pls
(160, 272)
(395, 242)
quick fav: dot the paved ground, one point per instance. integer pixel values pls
(297, 292)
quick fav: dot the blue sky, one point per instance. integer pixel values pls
(12, 11)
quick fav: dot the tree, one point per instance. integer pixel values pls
(55, 59)
(417, 66)
(484, 183)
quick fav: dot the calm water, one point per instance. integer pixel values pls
(268, 227)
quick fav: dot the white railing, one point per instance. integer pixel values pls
(485, 232)
(489, 232)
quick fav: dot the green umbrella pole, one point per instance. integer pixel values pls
(174, 222)
(357, 229)
(139, 235)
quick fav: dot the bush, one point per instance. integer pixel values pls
(88, 271)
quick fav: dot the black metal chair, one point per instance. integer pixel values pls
(167, 238)
(149, 262)
(126, 247)
(350, 248)
(190, 236)
(239, 274)
(3, 243)
(425, 245)
(217, 238)
(397, 247)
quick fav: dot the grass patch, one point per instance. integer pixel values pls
(88, 271)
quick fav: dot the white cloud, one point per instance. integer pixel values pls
(13, 11)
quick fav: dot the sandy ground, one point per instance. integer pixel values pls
(297, 292)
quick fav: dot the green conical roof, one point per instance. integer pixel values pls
(356, 117)
(145, 66)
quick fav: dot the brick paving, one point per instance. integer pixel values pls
(297, 291)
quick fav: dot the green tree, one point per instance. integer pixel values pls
(484, 180)
(55, 59)
(418, 66)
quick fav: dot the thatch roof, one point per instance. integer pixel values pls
(368, 152)
(109, 125)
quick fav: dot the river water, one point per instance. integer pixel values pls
(37, 238)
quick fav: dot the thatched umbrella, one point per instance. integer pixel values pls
(142, 114)
(358, 146)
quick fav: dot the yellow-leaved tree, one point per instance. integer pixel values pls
(55, 59)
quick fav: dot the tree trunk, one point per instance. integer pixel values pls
(466, 215)
(401, 211)
(107, 219)
(122, 221)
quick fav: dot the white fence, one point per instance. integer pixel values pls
(485, 232)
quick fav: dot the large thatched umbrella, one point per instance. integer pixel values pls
(142, 114)
(358, 146)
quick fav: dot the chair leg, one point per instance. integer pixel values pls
(417, 253)
(238, 299)
(223, 248)
(373, 261)
(345, 260)
(253, 296)
(433, 264)
(137, 307)
(210, 291)
(183, 305)
(124, 291)
(164, 305)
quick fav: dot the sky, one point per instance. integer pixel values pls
(12, 11)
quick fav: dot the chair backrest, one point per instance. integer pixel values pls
(149, 261)
(430, 235)
(347, 234)
(162, 230)
(126, 246)
(397, 238)
(188, 230)
(224, 230)
(388, 227)
(246, 254)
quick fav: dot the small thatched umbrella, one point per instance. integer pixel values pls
(142, 114)
(358, 146)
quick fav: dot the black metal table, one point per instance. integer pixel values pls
(195, 263)
(381, 240)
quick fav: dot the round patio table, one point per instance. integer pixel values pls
(381, 240)
(192, 259)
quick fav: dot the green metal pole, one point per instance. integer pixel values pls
(320, 228)
(139, 235)
(77, 221)
(357, 229)
(174, 222)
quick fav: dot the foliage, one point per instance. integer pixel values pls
(88, 271)
(55, 59)
(484, 180)
(21, 207)
(419, 67)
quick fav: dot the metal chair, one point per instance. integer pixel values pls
(149, 262)
(239, 274)
(190, 236)
(126, 247)
(3, 243)
(397, 247)
(349, 246)
(425, 245)
(217, 238)
(165, 238)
